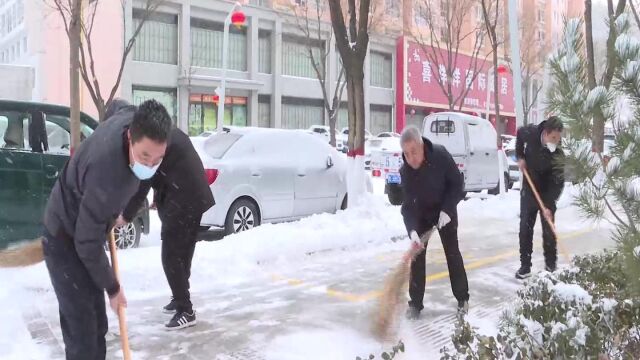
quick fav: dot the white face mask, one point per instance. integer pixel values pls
(141, 171)
(552, 147)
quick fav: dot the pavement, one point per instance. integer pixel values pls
(331, 297)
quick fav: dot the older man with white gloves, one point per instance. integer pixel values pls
(432, 186)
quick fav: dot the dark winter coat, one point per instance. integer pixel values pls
(436, 186)
(93, 188)
(180, 185)
(545, 168)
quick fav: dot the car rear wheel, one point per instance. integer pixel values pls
(128, 236)
(242, 216)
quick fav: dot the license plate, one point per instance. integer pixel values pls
(393, 178)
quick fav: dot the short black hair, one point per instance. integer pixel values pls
(152, 121)
(553, 123)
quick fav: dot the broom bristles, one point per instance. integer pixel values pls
(29, 253)
(394, 287)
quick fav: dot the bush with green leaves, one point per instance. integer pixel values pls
(556, 317)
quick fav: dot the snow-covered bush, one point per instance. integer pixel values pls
(585, 312)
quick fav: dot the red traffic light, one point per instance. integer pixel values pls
(238, 18)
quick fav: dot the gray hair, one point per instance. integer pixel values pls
(411, 134)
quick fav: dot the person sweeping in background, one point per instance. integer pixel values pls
(538, 152)
(181, 195)
(432, 186)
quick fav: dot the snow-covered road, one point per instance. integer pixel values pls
(302, 290)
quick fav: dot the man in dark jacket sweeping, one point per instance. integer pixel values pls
(93, 188)
(537, 149)
(432, 186)
(181, 195)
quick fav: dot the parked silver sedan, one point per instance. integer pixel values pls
(270, 175)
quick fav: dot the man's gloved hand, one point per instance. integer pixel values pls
(444, 220)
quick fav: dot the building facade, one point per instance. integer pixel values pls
(271, 81)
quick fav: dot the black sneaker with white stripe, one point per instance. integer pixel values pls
(181, 320)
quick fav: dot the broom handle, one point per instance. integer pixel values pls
(540, 203)
(122, 318)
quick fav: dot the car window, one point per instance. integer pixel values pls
(442, 130)
(14, 130)
(58, 138)
(319, 130)
(311, 153)
(217, 145)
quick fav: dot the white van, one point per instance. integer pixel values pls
(471, 141)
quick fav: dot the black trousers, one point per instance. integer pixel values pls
(529, 210)
(81, 303)
(457, 273)
(179, 234)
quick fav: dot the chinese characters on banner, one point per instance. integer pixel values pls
(423, 76)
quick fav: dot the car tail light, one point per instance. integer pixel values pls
(461, 166)
(212, 175)
(376, 173)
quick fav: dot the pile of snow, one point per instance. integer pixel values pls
(534, 328)
(571, 293)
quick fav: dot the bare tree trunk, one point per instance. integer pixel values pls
(355, 92)
(352, 43)
(598, 121)
(74, 72)
(332, 126)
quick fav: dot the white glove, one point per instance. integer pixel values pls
(444, 220)
(414, 236)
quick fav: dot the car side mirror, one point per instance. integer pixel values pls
(38, 133)
(329, 162)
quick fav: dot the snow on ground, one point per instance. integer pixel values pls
(241, 256)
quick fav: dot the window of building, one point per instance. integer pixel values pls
(166, 97)
(541, 16)
(381, 117)
(158, 39)
(264, 111)
(420, 16)
(444, 8)
(392, 7)
(295, 57)
(203, 112)
(381, 69)
(300, 113)
(24, 44)
(206, 45)
(264, 52)
(19, 12)
(540, 35)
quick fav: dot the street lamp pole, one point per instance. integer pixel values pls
(223, 80)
